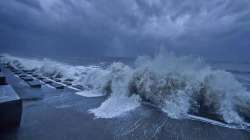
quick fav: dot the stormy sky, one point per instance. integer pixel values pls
(126, 28)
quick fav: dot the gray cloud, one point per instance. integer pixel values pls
(30, 4)
(125, 27)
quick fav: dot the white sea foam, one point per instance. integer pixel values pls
(116, 106)
(90, 93)
(174, 84)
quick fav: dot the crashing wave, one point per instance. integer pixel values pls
(177, 85)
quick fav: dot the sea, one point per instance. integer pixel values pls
(214, 91)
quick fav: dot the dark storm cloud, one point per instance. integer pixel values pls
(125, 27)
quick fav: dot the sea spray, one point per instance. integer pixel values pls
(177, 85)
(119, 101)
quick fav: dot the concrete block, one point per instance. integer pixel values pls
(57, 86)
(35, 75)
(47, 81)
(57, 80)
(27, 78)
(18, 72)
(80, 87)
(67, 83)
(22, 75)
(28, 71)
(40, 77)
(69, 80)
(10, 108)
(34, 84)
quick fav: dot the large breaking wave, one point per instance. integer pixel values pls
(177, 85)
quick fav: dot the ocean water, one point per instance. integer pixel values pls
(181, 86)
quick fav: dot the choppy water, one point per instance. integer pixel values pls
(179, 86)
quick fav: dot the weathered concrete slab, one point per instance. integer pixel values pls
(10, 108)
